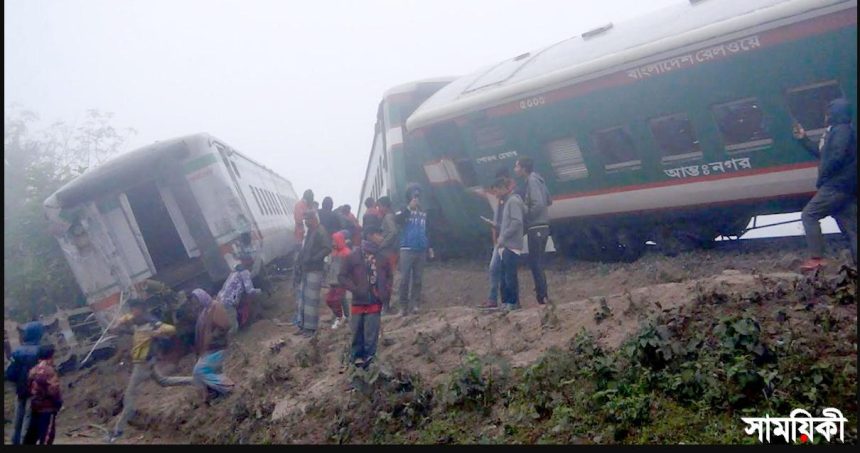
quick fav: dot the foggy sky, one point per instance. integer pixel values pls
(292, 84)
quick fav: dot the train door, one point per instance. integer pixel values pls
(160, 234)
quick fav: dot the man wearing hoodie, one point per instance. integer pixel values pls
(24, 358)
(360, 276)
(536, 199)
(336, 295)
(837, 182)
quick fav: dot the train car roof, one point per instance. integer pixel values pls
(128, 169)
(414, 85)
(595, 52)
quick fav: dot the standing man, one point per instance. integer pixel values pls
(24, 358)
(495, 260)
(371, 215)
(536, 200)
(414, 250)
(311, 259)
(837, 182)
(46, 399)
(350, 223)
(299, 209)
(328, 218)
(145, 328)
(509, 245)
(360, 276)
(388, 249)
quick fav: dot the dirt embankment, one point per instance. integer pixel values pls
(289, 387)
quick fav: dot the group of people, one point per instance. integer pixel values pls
(359, 259)
(37, 388)
(520, 212)
(217, 322)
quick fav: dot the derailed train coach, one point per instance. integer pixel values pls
(183, 212)
(674, 127)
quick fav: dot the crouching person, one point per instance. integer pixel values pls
(359, 275)
(45, 399)
(211, 336)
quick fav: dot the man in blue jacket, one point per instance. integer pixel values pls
(414, 249)
(24, 358)
(837, 181)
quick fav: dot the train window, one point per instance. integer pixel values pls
(742, 125)
(446, 140)
(280, 203)
(808, 104)
(266, 208)
(272, 201)
(267, 201)
(675, 138)
(257, 199)
(275, 207)
(268, 196)
(616, 146)
(283, 203)
(466, 170)
(489, 136)
(565, 156)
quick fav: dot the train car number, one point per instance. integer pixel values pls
(532, 102)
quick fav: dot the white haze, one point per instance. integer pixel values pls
(294, 85)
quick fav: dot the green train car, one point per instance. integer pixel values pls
(673, 127)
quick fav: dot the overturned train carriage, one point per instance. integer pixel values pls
(182, 212)
(674, 127)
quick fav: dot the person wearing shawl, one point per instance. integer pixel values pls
(211, 335)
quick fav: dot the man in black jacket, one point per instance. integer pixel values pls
(360, 276)
(837, 181)
(328, 218)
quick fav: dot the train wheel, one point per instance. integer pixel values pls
(629, 245)
(684, 238)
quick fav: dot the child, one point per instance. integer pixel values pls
(336, 295)
(46, 401)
